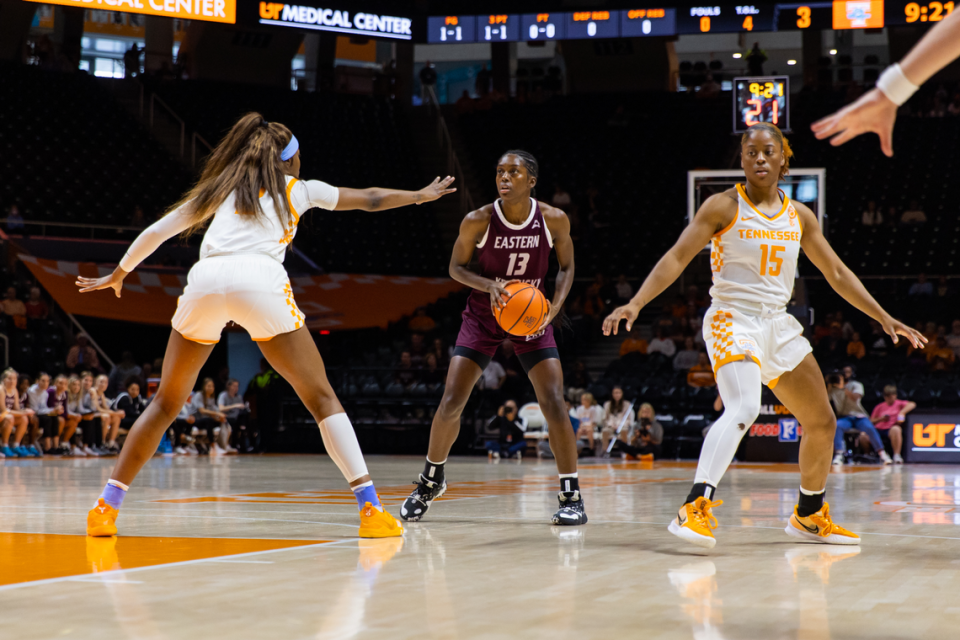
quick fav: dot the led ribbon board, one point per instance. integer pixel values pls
(205, 10)
(338, 21)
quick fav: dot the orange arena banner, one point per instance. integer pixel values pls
(858, 14)
(206, 10)
(332, 301)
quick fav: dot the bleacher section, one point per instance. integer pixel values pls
(346, 140)
(68, 153)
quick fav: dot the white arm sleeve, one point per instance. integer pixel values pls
(153, 236)
(320, 194)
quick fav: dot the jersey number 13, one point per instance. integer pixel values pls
(518, 267)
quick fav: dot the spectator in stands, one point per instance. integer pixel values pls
(14, 220)
(124, 369)
(442, 353)
(33, 446)
(421, 322)
(482, 83)
(209, 417)
(953, 338)
(879, 343)
(662, 344)
(82, 356)
(57, 398)
(755, 59)
(709, 89)
(686, 357)
(579, 380)
(833, 347)
(561, 199)
(183, 442)
(432, 377)
(129, 402)
(846, 329)
(845, 395)
(230, 403)
(490, 383)
(913, 215)
(405, 373)
(512, 442)
(701, 374)
(856, 348)
(15, 308)
(892, 217)
(624, 290)
(593, 305)
(888, 417)
(943, 290)
(109, 417)
(940, 356)
(428, 78)
(633, 342)
(15, 421)
(36, 308)
(921, 287)
(464, 104)
(78, 404)
(131, 62)
(417, 349)
(872, 216)
(618, 417)
(645, 440)
(590, 415)
(48, 418)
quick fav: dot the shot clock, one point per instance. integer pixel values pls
(762, 99)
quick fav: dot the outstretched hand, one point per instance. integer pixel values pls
(895, 328)
(436, 189)
(612, 321)
(873, 111)
(113, 281)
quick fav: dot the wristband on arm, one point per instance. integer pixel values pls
(895, 85)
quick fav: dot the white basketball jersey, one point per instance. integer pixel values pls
(754, 259)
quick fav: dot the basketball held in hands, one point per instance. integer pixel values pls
(524, 310)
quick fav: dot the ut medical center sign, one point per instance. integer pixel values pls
(352, 22)
(774, 437)
(933, 437)
(204, 10)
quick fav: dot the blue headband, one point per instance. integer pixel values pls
(291, 149)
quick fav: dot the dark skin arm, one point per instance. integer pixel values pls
(559, 225)
(472, 228)
(845, 282)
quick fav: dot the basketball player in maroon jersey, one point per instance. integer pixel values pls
(513, 238)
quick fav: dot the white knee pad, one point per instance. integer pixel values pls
(740, 388)
(340, 441)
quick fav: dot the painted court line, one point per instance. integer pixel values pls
(173, 515)
(20, 585)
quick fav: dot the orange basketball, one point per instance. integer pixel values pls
(524, 311)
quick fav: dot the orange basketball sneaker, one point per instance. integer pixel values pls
(695, 522)
(102, 520)
(818, 527)
(378, 524)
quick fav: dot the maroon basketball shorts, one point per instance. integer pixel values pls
(481, 336)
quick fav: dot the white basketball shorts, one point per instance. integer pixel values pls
(770, 337)
(251, 290)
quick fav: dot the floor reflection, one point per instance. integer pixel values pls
(697, 585)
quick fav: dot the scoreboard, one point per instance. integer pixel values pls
(684, 19)
(765, 99)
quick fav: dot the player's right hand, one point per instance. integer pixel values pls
(113, 281)
(612, 322)
(873, 111)
(498, 295)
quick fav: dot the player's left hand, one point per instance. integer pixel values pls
(873, 111)
(547, 318)
(436, 189)
(113, 281)
(895, 328)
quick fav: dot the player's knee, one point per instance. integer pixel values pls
(745, 412)
(450, 407)
(553, 406)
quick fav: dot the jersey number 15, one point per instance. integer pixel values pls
(770, 263)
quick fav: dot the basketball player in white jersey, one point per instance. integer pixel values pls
(876, 110)
(251, 194)
(755, 234)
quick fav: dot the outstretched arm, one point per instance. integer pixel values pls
(715, 214)
(845, 282)
(876, 110)
(559, 226)
(177, 221)
(376, 199)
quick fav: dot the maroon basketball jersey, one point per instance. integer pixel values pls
(514, 252)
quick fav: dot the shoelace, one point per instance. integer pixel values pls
(704, 515)
(823, 521)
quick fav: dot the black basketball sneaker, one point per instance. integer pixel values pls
(417, 503)
(571, 510)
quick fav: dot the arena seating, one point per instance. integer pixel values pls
(346, 140)
(69, 153)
